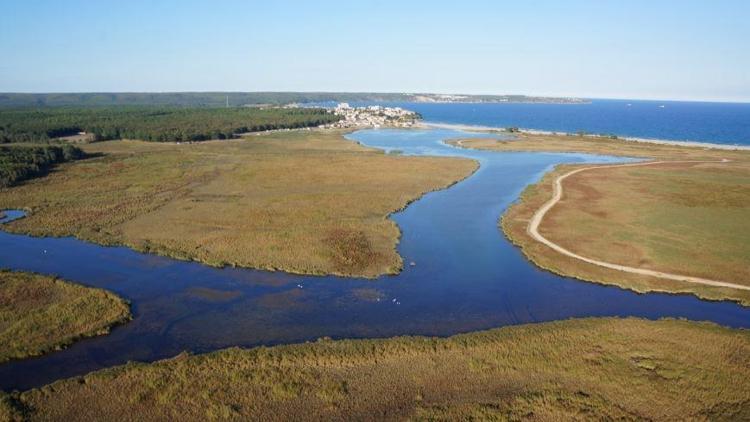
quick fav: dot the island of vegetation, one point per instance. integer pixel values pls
(41, 313)
(302, 201)
(589, 369)
(685, 215)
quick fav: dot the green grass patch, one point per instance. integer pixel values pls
(628, 369)
(40, 313)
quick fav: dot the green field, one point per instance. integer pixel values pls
(687, 219)
(590, 369)
(40, 313)
(301, 201)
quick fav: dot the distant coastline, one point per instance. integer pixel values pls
(253, 99)
(491, 99)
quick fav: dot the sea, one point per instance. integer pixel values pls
(712, 122)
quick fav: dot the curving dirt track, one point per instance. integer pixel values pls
(536, 220)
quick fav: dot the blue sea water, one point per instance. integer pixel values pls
(724, 123)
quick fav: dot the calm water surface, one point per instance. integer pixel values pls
(725, 123)
(466, 277)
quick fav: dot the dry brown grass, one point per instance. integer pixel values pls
(627, 369)
(40, 313)
(688, 219)
(305, 202)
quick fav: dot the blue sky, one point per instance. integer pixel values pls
(697, 50)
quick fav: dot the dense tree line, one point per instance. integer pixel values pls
(20, 162)
(152, 123)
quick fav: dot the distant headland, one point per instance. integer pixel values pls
(234, 99)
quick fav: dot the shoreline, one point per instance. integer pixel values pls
(686, 143)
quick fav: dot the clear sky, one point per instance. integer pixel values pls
(661, 49)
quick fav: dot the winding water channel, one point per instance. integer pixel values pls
(466, 277)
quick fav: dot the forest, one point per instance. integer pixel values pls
(21, 162)
(151, 123)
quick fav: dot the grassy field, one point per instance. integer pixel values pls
(625, 369)
(302, 201)
(688, 219)
(40, 313)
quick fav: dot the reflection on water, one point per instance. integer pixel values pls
(10, 215)
(467, 277)
(212, 295)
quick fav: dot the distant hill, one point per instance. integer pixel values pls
(217, 99)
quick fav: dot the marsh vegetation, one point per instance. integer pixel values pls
(40, 313)
(625, 369)
(301, 201)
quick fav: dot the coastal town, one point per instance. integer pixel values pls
(372, 116)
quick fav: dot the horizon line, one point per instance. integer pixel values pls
(724, 101)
